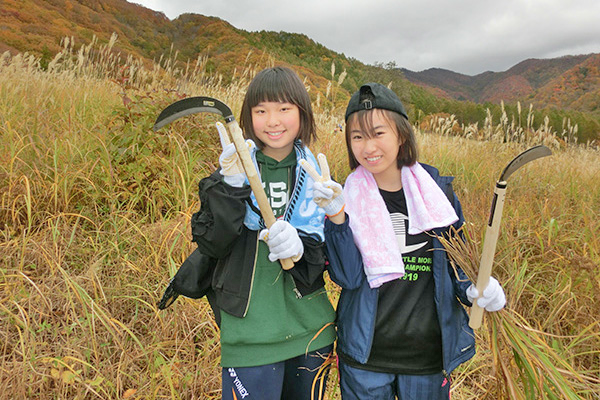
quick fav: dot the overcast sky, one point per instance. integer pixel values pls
(466, 36)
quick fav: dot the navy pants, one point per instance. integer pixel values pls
(290, 379)
(361, 384)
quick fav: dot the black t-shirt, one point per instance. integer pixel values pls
(407, 337)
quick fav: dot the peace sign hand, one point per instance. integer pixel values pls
(326, 193)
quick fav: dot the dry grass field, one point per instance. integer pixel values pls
(94, 220)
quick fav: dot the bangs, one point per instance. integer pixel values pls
(280, 85)
(364, 121)
(274, 88)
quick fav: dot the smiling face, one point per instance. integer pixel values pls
(375, 146)
(277, 86)
(276, 125)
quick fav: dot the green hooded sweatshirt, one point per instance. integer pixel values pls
(278, 325)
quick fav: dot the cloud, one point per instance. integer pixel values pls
(466, 36)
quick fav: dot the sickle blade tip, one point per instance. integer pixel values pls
(525, 157)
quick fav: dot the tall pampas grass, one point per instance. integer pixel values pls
(94, 220)
(523, 361)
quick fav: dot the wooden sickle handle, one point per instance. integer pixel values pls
(489, 248)
(255, 183)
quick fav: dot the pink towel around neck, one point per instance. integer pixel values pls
(428, 208)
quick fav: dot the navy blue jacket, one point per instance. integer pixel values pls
(357, 306)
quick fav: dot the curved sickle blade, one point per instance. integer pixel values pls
(192, 105)
(493, 227)
(527, 156)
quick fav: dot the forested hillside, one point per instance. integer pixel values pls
(564, 89)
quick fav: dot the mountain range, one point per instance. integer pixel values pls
(570, 83)
(566, 82)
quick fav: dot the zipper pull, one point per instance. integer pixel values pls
(298, 294)
(446, 378)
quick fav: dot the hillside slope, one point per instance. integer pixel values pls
(37, 26)
(569, 84)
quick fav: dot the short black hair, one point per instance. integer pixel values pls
(279, 84)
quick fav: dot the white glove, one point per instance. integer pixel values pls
(493, 298)
(231, 166)
(329, 196)
(326, 193)
(231, 169)
(283, 241)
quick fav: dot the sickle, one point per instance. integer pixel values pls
(493, 226)
(193, 105)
